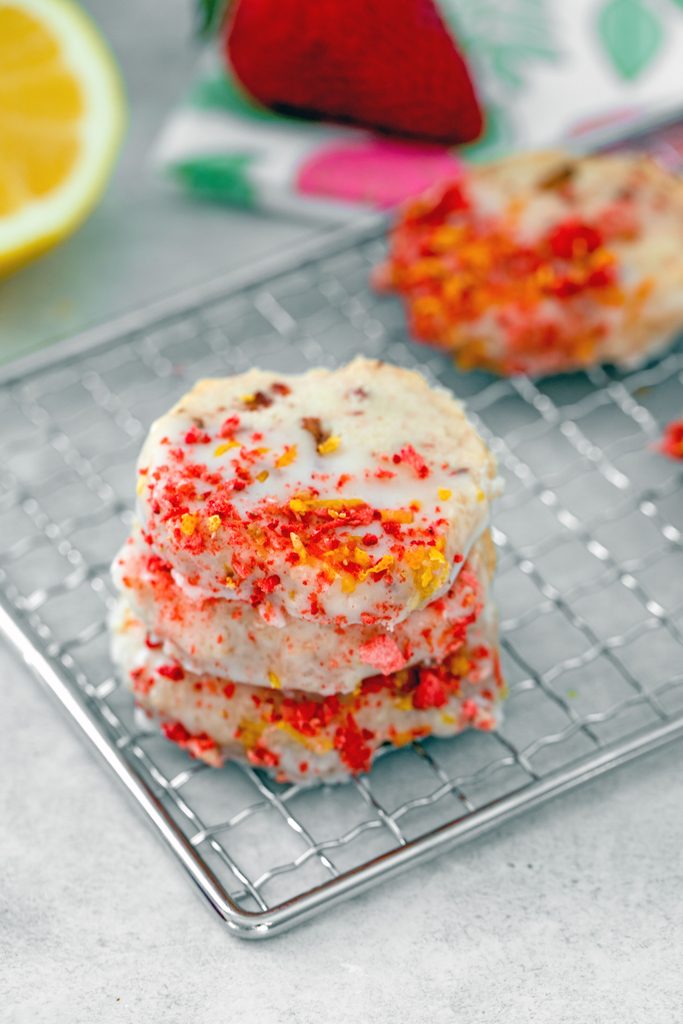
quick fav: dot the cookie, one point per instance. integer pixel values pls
(544, 263)
(338, 496)
(232, 639)
(300, 737)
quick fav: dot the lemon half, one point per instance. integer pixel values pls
(61, 120)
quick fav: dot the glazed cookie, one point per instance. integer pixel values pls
(342, 497)
(231, 639)
(544, 263)
(300, 737)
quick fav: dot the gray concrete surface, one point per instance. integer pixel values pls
(572, 915)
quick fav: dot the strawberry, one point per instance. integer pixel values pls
(375, 63)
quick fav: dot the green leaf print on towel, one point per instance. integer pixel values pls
(631, 36)
(218, 176)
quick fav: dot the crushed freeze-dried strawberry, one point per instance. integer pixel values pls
(672, 442)
(573, 237)
(172, 671)
(309, 716)
(262, 757)
(196, 436)
(142, 682)
(228, 427)
(352, 743)
(199, 745)
(175, 731)
(413, 459)
(469, 710)
(430, 691)
(383, 654)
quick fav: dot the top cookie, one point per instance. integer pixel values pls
(339, 496)
(544, 262)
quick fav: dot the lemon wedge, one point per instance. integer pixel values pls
(61, 120)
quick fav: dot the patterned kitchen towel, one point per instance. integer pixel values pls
(546, 70)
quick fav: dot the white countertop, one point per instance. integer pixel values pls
(571, 914)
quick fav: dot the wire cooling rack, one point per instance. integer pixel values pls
(590, 538)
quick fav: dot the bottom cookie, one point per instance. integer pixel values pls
(301, 737)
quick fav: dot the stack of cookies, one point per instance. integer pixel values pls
(309, 575)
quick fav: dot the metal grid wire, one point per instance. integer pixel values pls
(590, 538)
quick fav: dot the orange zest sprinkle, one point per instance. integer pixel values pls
(460, 665)
(398, 515)
(188, 524)
(302, 504)
(329, 445)
(361, 557)
(288, 456)
(385, 562)
(221, 449)
(298, 546)
(348, 584)
(429, 567)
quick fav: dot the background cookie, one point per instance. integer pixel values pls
(544, 262)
